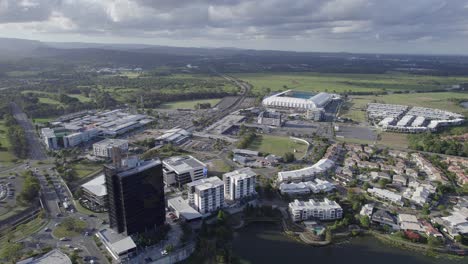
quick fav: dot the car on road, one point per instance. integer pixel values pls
(46, 229)
(63, 239)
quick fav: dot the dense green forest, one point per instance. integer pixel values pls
(16, 137)
(437, 144)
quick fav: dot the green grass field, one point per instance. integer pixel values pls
(357, 105)
(278, 145)
(80, 97)
(346, 82)
(44, 119)
(47, 100)
(61, 231)
(84, 169)
(219, 166)
(189, 104)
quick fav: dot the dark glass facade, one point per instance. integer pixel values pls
(136, 197)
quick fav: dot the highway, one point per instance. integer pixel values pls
(36, 150)
(54, 194)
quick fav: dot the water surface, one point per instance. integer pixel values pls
(265, 243)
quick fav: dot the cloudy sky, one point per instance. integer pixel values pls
(393, 26)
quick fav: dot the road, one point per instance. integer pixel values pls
(36, 150)
(53, 196)
(244, 91)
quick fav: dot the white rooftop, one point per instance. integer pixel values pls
(183, 208)
(96, 186)
(183, 164)
(241, 173)
(319, 167)
(208, 183)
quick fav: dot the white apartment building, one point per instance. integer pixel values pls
(105, 148)
(206, 195)
(386, 195)
(322, 167)
(326, 210)
(239, 183)
(181, 170)
(316, 186)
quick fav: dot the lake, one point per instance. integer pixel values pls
(265, 243)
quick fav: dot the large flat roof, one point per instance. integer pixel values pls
(117, 242)
(183, 164)
(207, 183)
(183, 208)
(96, 186)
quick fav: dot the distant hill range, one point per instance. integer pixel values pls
(225, 59)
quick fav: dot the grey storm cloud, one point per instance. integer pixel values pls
(243, 19)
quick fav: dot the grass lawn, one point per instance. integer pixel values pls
(393, 139)
(345, 82)
(43, 119)
(189, 104)
(80, 97)
(130, 74)
(81, 209)
(61, 231)
(84, 169)
(358, 104)
(278, 145)
(219, 166)
(47, 100)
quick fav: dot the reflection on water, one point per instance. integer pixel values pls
(264, 243)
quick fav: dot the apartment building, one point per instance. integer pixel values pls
(325, 210)
(181, 170)
(239, 184)
(206, 195)
(105, 147)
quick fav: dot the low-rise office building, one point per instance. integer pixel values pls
(105, 147)
(270, 118)
(183, 210)
(239, 184)
(175, 136)
(95, 191)
(206, 195)
(119, 246)
(181, 170)
(304, 210)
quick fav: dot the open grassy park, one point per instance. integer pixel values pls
(84, 169)
(69, 227)
(348, 82)
(278, 145)
(189, 104)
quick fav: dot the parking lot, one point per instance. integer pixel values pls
(357, 132)
(10, 187)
